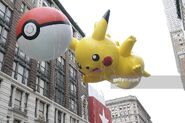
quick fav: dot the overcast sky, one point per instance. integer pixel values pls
(146, 20)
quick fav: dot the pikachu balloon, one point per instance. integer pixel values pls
(99, 58)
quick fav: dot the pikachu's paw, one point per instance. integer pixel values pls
(131, 38)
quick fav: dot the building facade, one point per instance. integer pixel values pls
(175, 13)
(128, 110)
(32, 91)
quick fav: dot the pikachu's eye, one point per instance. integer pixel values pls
(95, 57)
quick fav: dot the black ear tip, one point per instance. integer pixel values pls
(106, 15)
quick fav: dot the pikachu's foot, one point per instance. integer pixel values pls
(137, 68)
(146, 74)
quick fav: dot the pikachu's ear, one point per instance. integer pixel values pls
(73, 44)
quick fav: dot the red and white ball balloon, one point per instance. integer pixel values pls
(44, 33)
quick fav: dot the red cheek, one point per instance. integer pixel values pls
(107, 61)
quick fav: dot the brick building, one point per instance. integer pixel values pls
(32, 91)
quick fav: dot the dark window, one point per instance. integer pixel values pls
(46, 3)
(72, 72)
(60, 63)
(21, 55)
(84, 107)
(18, 99)
(178, 8)
(1, 59)
(5, 15)
(36, 102)
(73, 120)
(43, 68)
(11, 93)
(47, 109)
(59, 88)
(42, 86)
(20, 72)
(73, 104)
(21, 66)
(41, 109)
(24, 8)
(59, 117)
(16, 121)
(3, 36)
(73, 89)
(59, 96)
(12, 1)
(43, 76)
(71, 57)
(25, 102)
(33, 1)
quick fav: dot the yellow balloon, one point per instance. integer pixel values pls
(99, 58)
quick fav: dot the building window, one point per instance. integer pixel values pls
(5, 14)
(3, 36)
(72, 73)
(11, 93)
(20, 72)
(73, 89)
(59, 116)
(47, 3)
(41, 109)
(59, 90)
(60, 63)
(21, 66)
(42, 82)
(16, 121)
(59, 80)
(19, 101)
(1, 59)
(81, 80)
(25, 102)
(18, 98)
(84, 107)
(73, 120)
(43, 68)
(76, 35)
(71, 57)
(42, 86)
(21, 55)
(73, 104)
(24, 8)
(12, 1)
(33, 1)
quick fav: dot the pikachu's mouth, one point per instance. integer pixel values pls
(96, 70)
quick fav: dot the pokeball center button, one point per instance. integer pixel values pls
(29, 29)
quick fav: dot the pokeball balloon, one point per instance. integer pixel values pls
(43, 33)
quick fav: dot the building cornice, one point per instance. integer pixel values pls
(69, 17)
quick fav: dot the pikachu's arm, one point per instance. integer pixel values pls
(126, 47)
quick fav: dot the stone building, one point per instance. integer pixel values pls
(32, 91)
(127, 110)
(175, 13)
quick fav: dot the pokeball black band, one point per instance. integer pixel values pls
(36, 33)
